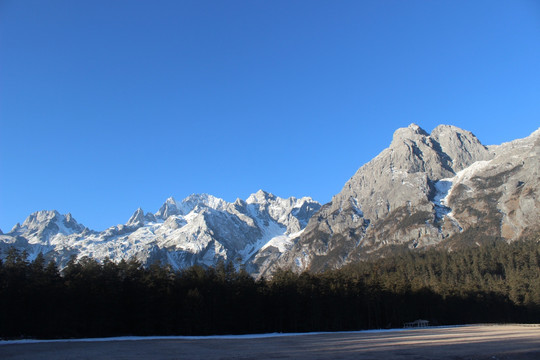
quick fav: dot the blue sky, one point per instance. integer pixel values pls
(106, 106)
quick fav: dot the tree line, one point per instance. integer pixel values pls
(496, 282)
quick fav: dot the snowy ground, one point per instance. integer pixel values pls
(464, 342)
(209, 337)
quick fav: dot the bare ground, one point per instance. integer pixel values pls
(496, 342)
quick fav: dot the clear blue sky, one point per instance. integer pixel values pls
(106, 106)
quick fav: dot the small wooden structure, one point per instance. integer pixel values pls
(416, 324)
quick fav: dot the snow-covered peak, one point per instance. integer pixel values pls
(40, 217)
(170, 201)
(263, 198)
(239, 202)
(15, 228)
(70, 223)
(137, 219)
(260, 197)
(303, 200)
(202, 200)
(69, 217)
(50, 221)
(170, 207)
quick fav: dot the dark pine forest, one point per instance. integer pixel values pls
(495, 283)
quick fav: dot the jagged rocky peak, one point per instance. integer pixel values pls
(239, 203)
(15, 228)
(400, 174)
(195, 201)
(174, 222)
(461, 146)
(275, 204)
(411, 132)
(40, 217)
(149, 217)
(137, 219)
(70, 223)
(441, 154)
(51, 221)
(306, 204)
(69, 218)
(260, 197)
(169, 208)
(413, 151)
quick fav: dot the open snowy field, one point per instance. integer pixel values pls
(465, 342)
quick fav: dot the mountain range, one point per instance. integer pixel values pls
(444, 189)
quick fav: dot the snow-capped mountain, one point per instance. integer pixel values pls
(202, 229)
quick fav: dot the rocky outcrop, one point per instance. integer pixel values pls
(499, 197)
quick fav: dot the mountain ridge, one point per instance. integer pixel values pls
(424, 189)
(202, 229)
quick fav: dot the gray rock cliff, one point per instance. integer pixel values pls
(401, 197)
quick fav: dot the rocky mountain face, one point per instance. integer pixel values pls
(201, 229)
(443, 188)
